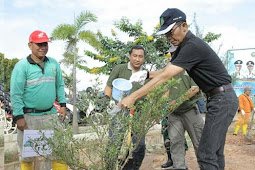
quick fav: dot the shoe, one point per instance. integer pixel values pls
(167, 164)
(178, 169)
(169, 161)
(234, 134)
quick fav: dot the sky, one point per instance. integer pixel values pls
(233, 19)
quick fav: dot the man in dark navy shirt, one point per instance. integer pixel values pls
(209, 73)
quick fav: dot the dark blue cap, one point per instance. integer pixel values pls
(168, 18)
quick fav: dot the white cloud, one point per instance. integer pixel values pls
(58, 4)
(232, 37)
(16, 35)
(211, 7)
(24, 3)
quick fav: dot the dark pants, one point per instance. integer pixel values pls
(221, 108)
(116, 134)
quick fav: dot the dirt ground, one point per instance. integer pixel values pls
(239, 154)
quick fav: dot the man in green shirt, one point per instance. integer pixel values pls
(36, 83)
(137, 58)
(185, 118)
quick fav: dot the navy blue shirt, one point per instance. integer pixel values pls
(201, 63)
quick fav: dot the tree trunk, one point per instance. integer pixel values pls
(75, 121)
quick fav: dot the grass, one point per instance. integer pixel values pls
(11, 157)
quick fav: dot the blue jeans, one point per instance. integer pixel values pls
(221, 108)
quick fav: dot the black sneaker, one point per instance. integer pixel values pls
(167, 164)
(179, 168)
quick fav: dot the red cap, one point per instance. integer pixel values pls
(38, 37)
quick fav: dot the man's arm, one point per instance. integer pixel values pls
(60, 85)
(252, 105)
(108, 91)
(193, 91)
(155, 73)
(241, 103)
(168, 72)
(18, 81)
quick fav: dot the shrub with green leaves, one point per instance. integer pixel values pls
(96, 149)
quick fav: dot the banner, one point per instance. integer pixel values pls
(241, 68)
(41, 146)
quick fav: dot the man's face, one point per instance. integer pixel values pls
(177, 33)
(248, 92)
(250, 68)
(136, 58)
(238, 67)
(38, 50)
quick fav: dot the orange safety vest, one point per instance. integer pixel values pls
(245, 103)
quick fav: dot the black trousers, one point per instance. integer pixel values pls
(221, 108)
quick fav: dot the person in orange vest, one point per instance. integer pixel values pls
(245, 108)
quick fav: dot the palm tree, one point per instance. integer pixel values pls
(72, 34)
(68, 80)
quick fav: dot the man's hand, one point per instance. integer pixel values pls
(243, 112)
(62, 113)
(171, 104)
(21, 124)
(127, 102)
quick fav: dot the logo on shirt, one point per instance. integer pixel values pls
(54, 70)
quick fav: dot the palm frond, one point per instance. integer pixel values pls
(90, 38)
(68, 59)
(83, 19)
(79, 59)
(63, 32)
(71, 44)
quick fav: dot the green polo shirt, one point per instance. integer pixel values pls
(124, 71)
(36, 87)
(185, 84)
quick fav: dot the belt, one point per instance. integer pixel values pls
(32, 110)
(219, 89)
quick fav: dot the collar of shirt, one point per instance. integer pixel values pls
(31, 61)
(186, 38)
(130, 68)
